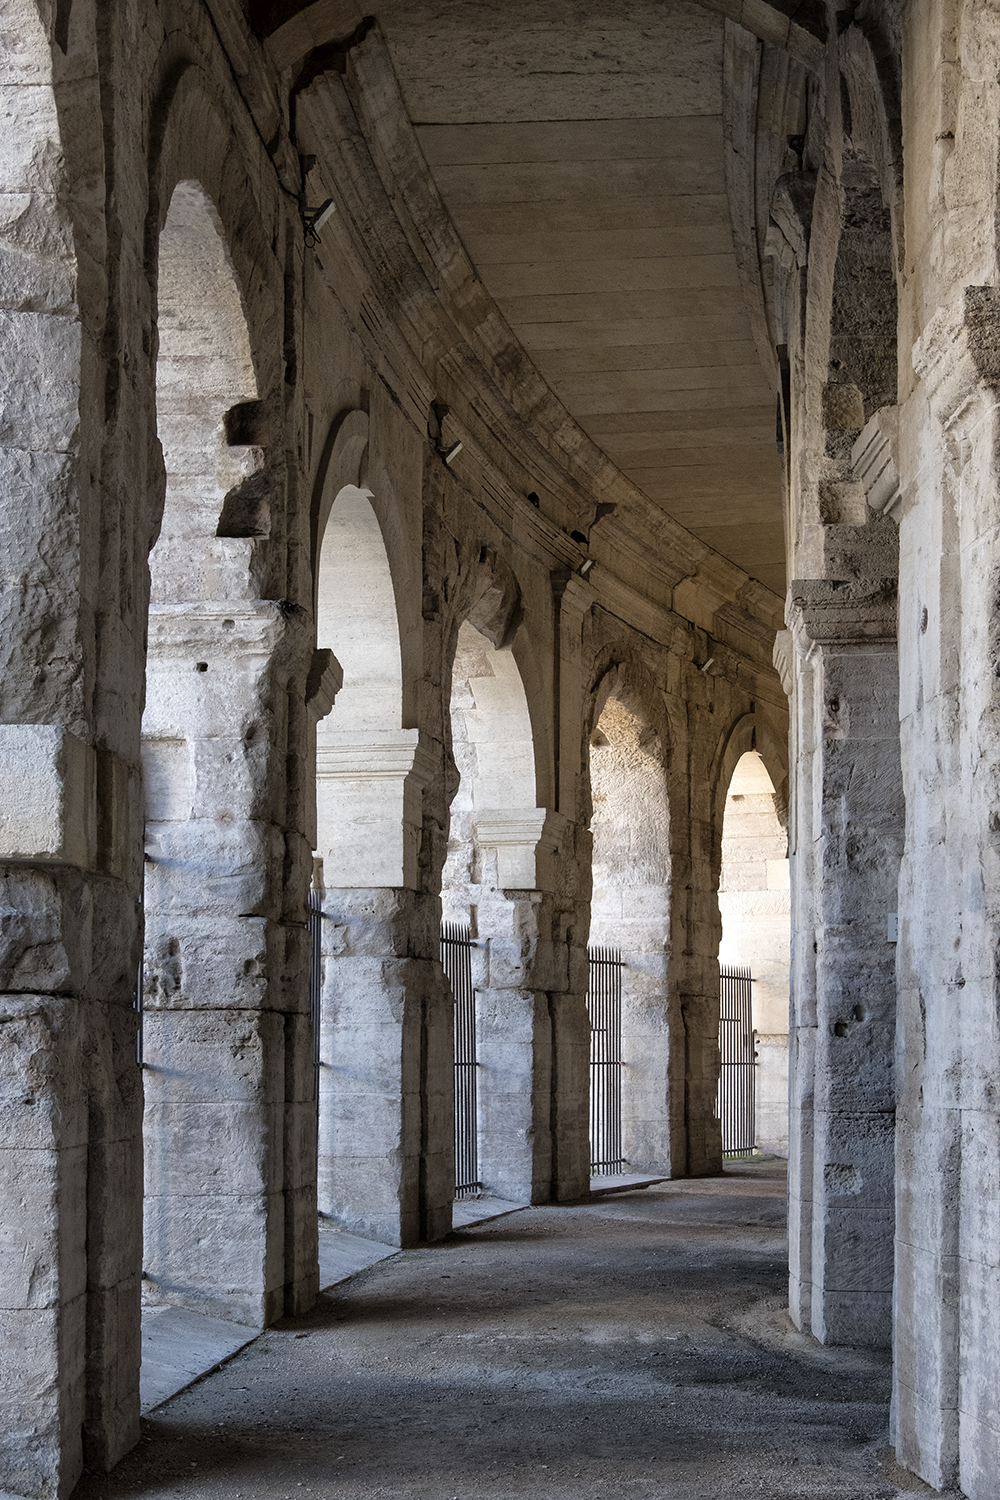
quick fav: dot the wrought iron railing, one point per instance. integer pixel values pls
(456, 960)
(604, 1002)
(736, 1105)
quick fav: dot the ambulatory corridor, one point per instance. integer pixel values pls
(637, 1345)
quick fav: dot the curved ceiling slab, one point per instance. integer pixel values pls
(583, 163)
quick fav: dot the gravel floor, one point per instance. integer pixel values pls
(635, 1346)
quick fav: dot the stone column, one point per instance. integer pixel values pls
(519, 965)
(848, 825)
(946, 1292)
(693, 965)
(219, 1025)
(386, 1157)
(70, 1095)
(797, 674)
(570, 1023)
(70, 1119)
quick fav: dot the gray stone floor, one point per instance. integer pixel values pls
(633, 1346)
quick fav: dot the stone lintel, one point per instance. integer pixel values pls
(834, 612)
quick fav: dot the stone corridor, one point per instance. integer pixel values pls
(636, 1345)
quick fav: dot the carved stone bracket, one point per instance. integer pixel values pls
(784, 656)
(874, 459)
(326, 678)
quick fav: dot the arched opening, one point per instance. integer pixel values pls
(755, 904)
(490, 896)
(366, 832)
(207, 1029)
(629, 942)
(382, 1052)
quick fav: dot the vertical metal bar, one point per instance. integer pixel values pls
(604, 1002)
(456, 960)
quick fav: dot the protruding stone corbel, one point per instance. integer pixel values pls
(783, 657)
(874, 458)
(325, 680)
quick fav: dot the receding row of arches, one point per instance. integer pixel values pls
(212, 1110)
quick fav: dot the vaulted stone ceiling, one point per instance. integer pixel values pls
(579, 149)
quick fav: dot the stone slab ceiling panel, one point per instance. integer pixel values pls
(579, 149)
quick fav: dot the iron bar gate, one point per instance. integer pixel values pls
(604, 1002)
(456, 960)
(737, 1103)
(315, 977)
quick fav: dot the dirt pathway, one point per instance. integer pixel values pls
(632, 1347)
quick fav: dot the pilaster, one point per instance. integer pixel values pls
(847, 844)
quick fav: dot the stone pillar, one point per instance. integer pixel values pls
(848, 819)
(71, 1118)
(520, 974)
(629, 908)
(386, 1155)
(70, 1095)
(220, 1028)
(570, 1023)
(946, 1292)
(797, 675)
(693, 965)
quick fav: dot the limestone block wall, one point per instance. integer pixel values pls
(946, 1188)
(365, 358)
(835, 249)
(755, 903)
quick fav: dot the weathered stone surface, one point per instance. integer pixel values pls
(155, 291)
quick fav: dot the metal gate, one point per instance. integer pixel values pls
(737, 1106)
(604, 1002)
(456, 960)
(315, 976)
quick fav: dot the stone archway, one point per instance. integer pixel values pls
(630, 911)
(490, 880)
(208, 1033)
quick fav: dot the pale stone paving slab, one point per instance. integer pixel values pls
(469, 1211)
(342, 1254)
(179, 1346)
